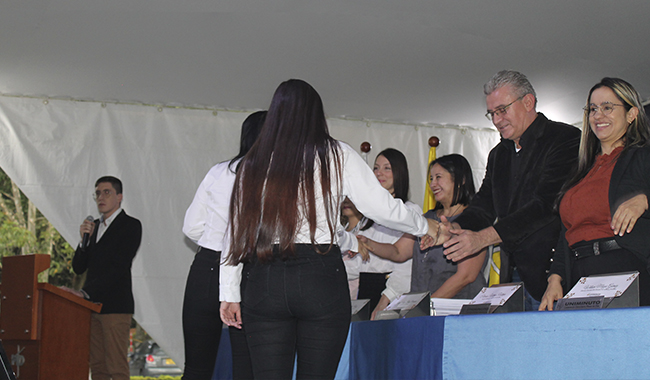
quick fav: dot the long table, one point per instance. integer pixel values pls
(588, 344)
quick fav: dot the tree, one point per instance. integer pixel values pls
(24, 230)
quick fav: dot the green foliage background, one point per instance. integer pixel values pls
(24, 230)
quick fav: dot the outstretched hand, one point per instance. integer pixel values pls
(439, 232)
(464, 243)
(364, 248)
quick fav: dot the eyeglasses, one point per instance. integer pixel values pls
(501, 110)
(99, 193)
(605, 108)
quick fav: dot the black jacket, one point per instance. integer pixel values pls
(109, 264)
(520, 205)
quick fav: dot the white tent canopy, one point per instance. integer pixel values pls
(392, 73)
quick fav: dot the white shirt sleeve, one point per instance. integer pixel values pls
(196, 215)
(347, 241)
(399, 281)
(375, 202)
(229, 275)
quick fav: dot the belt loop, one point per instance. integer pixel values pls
(596, 248)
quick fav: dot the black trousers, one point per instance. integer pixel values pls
(619, 260)
(299, 306)
(201, 321)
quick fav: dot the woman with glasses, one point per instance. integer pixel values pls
(604, 206)
(295, 302)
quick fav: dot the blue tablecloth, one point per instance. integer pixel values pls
(589, 344)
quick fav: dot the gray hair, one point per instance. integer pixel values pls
(516, 79)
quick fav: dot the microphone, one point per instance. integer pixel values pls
(86, 236)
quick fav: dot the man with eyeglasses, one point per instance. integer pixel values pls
(525, 171)
(113, 241)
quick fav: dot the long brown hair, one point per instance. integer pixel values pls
(275, 189)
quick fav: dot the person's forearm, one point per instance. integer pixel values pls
(451, 287)
(384, 250)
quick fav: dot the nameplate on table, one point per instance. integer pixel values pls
(580, 303)
(618, 289)
(407, 306)
(496, 295)
(608, 286)
(406, 301)
(477, 308)
(360, 310)
(357, 305)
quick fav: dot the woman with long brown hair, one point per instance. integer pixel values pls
(284, 216)
(604, 206)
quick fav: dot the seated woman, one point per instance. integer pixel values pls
(379, 279)
(451, 181)
(604, 206)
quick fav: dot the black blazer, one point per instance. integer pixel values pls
(108, 262)
(630, 177)
(520, 205)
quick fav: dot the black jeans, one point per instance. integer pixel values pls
(296, 306)
(201, 321)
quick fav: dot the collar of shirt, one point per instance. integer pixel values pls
(531, 133)
(107, 222)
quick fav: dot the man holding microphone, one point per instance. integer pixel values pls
(106, 252)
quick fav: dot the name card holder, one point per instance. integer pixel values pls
(503, 298)
(407, 306)
(516, 301)
(360, 310)
(616, 290)
(629, 298)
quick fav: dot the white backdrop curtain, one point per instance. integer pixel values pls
(56, 149)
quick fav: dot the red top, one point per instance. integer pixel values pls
(584, 209)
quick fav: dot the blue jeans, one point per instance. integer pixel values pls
(296, 307)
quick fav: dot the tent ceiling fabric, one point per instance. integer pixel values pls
(407, 61)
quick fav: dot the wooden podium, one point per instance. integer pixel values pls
(45, 330)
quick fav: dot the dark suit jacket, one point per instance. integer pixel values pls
(108, 262)
(630, 177)
(520, 205)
